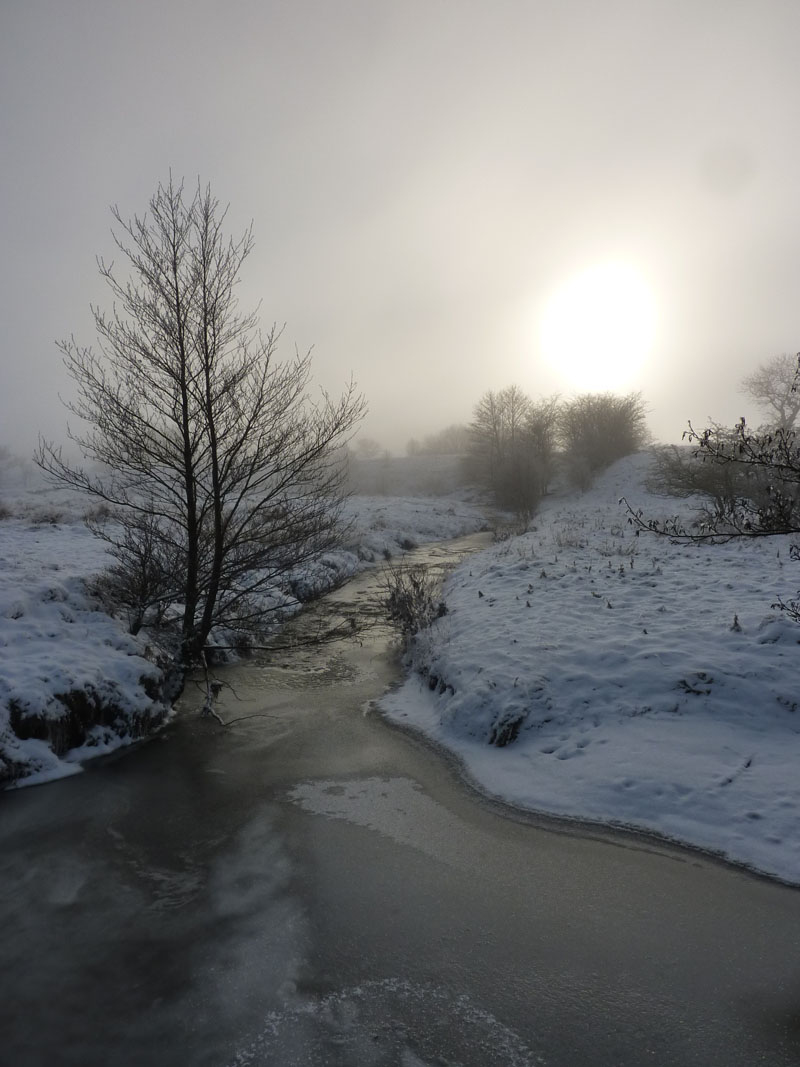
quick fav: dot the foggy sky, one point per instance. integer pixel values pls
(420, 175)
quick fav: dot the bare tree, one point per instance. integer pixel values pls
(497, 452)
(221, 476)
(541, 427)
(512, 446)
(773, 387)
(488, 435)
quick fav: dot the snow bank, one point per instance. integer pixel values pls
(587, 672)
(380, 528)
(73, 682)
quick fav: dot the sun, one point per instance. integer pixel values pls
(597, 329)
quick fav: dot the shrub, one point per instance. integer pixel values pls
(729, 484)
(597, 429)
(683, 472)
(410, 598)
(766, 496)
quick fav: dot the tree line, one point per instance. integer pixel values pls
(514, 445)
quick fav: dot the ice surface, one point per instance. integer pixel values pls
(383, 1022)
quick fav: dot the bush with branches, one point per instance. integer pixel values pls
(410, 598)
(765, 471)
(683, 471)
(596, 429)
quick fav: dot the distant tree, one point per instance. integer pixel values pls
(219, 473)
(542, 427)
(512, 445)
(773, 386)
(366, 448)
(12, 466)
(598, 428)
(488, 436)
(497, 450)
(453, 440)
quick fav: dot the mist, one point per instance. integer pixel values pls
(471, 746)
(422, 180)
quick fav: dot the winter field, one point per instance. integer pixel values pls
(623, 679)
(59, 649)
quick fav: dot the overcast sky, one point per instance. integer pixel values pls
(422, 178)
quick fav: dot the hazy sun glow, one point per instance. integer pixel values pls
(597, 329)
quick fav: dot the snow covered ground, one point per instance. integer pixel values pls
(54, 641)
(635, 682)
(609, 663)
(382, 527)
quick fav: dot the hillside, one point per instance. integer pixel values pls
(587, 672)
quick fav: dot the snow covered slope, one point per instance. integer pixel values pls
(587, 672)
(61, 659)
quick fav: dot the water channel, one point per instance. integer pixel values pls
(311, 886)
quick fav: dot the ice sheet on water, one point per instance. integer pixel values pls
(395, 807)
(383, 1023)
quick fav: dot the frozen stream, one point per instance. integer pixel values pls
(313, 887)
